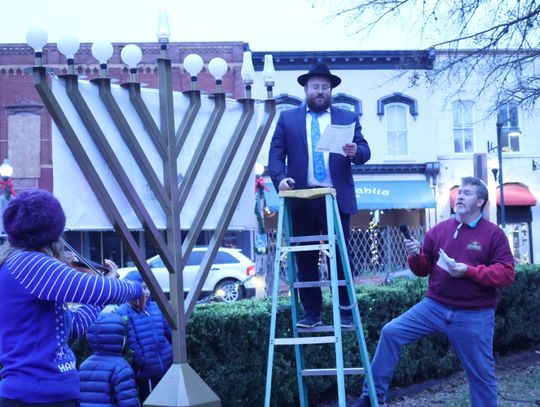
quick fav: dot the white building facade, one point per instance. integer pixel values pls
(424, 134)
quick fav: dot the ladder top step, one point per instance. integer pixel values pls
(311, 193)
(332, 371)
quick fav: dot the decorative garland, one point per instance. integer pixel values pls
(7, 185)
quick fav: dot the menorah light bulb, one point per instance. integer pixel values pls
(131, 55)
(218, 68)
(102, 51)
(37, 37)
(248, 71)
(268, 75)
(69, 45)
(163, 30)
(193, 64)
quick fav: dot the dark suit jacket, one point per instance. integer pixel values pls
(289, 154)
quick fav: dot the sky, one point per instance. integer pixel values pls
(267, 25)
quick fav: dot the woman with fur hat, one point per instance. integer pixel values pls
(38, 367)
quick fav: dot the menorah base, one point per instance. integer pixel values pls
(182, 387)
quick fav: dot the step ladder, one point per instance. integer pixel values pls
(328, 244)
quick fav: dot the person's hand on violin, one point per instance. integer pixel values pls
(113, 269)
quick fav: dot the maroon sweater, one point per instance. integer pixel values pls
(483, 248)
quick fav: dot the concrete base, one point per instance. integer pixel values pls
(182, 387)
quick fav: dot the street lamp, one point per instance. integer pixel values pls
(503, 120)
(6, 171)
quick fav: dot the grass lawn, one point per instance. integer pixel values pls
(518, 375)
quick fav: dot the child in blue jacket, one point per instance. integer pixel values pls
(107, 379)
(149, 338)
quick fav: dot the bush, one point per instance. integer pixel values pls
(228, 343)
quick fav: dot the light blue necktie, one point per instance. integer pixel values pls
(319, 170)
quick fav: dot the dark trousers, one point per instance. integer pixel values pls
(145, 387)
(15, 403)
(308, 219)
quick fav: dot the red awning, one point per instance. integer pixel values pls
(516, 194)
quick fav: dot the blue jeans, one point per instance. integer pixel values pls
(470, 332)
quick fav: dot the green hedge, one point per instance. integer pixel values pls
(228, 343)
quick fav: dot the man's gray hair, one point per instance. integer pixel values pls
(481, 188)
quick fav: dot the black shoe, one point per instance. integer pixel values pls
(347, 321)
(365, 402)
(309, 322)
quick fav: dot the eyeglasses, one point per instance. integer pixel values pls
(323, 88)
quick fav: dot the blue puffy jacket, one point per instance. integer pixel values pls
(149, 338)
(107, 379)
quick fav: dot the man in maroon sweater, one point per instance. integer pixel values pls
(467, 259)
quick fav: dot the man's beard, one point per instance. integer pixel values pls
(316, 107)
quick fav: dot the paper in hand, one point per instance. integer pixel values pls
(444, 261)
(334, 137)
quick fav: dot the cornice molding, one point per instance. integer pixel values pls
(357, 60)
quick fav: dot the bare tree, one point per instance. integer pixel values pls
(496, 39)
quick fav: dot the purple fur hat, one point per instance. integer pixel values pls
(34, 219)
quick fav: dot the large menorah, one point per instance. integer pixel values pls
(104, 127)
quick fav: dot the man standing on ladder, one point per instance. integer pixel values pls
(294, 164)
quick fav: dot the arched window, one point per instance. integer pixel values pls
(462, 112)
(347, 102)
(396, 129)
(397, 98)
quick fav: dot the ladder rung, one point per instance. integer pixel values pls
(322, 283)
(305, 248)
(312, 238)
(323, 328)
(332, 372)
(311, 340)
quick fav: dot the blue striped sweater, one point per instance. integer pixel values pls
(36, 323)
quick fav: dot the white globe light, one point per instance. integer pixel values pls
(218, 68)
(68, 45)
(102, 51)
(193, 63)
(131, 54)
(36, 37)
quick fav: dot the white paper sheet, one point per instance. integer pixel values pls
(334, 137)
(445, 262)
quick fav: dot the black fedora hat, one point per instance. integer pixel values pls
(319, 69)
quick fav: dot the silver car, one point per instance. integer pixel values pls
(229, 279)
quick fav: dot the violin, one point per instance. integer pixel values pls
(76, 261)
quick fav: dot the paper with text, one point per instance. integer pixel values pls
(334, 137)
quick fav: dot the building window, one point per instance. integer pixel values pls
(462, 111)
(397, 98)
(347, 102)
(509, 119)
(396, 129)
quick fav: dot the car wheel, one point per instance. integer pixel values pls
(229, 290)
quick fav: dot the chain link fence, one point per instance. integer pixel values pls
(378, 250)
